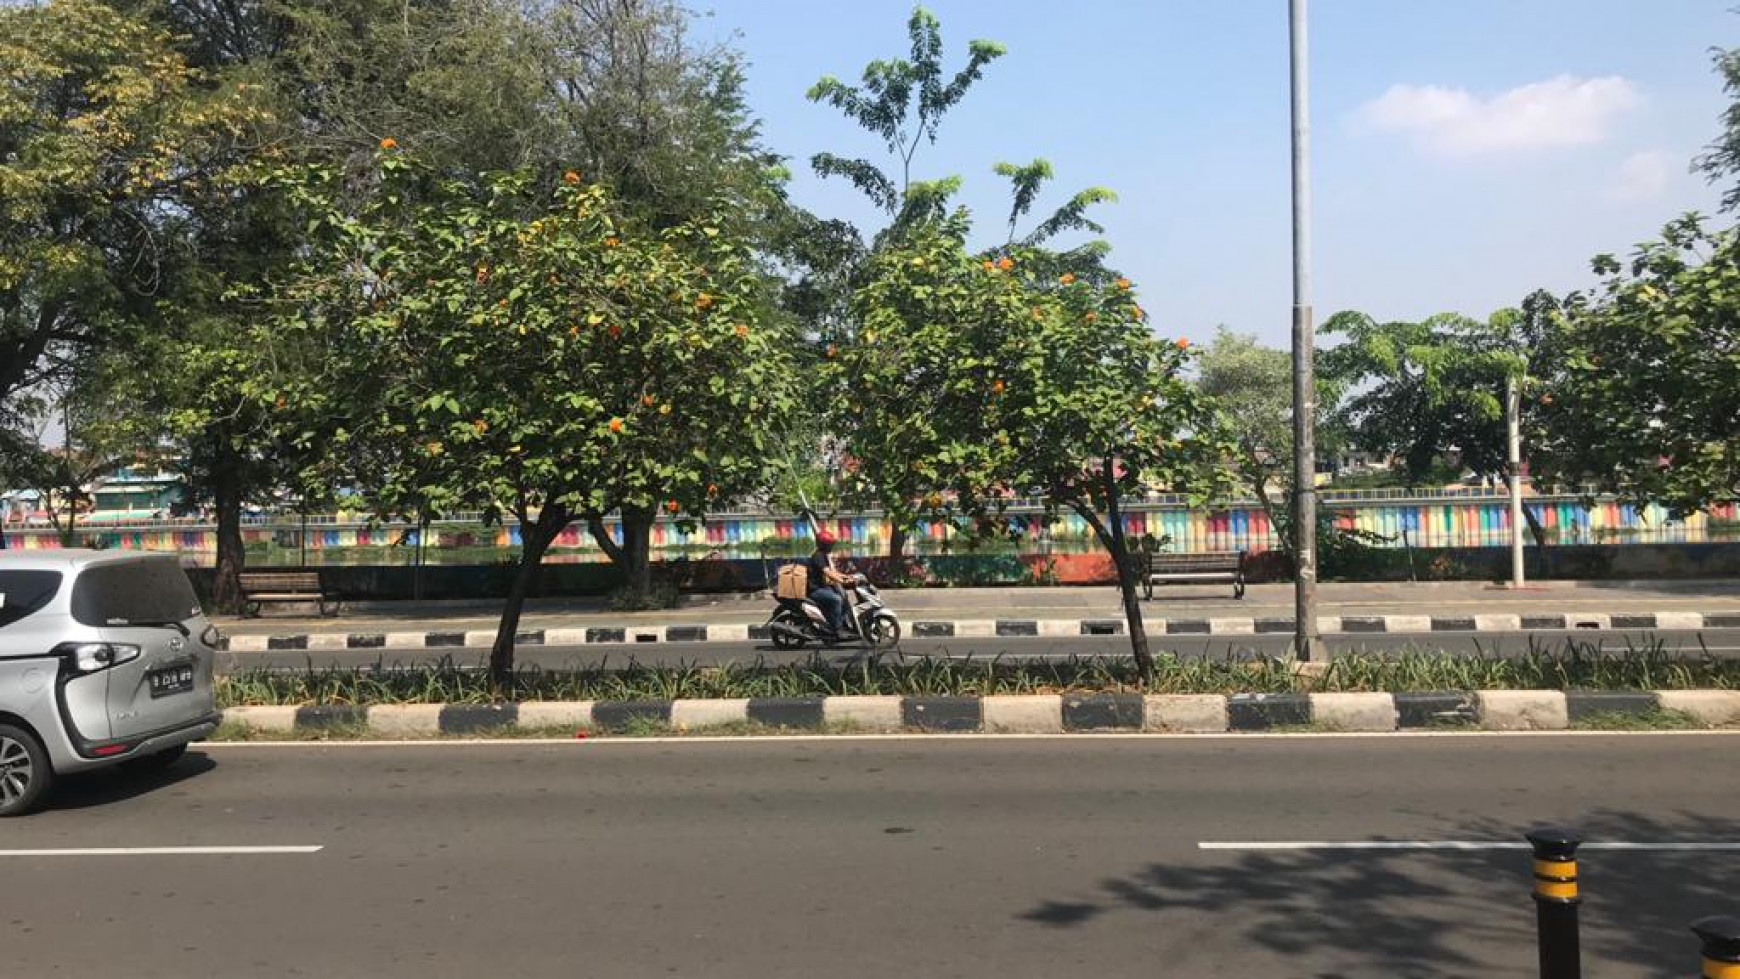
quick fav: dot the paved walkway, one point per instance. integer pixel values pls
(1170, 602)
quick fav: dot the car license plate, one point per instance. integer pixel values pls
(170, 680)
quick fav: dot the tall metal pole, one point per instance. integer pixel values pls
(1513, 424)
(1305, 641)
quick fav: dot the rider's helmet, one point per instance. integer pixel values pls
(825, 540)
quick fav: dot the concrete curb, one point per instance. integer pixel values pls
(993, 628)
(1487, 710)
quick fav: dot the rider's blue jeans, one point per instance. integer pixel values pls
(833, 606)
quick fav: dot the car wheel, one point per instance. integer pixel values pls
(157, 761)
(25, 774)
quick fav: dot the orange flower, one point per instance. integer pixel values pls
(615, 331)
(665, 408)
(1182, 343)
(1005, 263)
(1091, 316)
(570, 177)
(389, 143)
(703, 301)
(833, 351)
(483, 273)
(712, 489)
(671, 506)
(989, 265)
(480, 426)
(616, 425)
(611, 242)
(574, 331)
(741, 330)
(435, 448)
(1122, 283)
(1546, 399)
(647, 400)
(996, 387)
(1066, 278)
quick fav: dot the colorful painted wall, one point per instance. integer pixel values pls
(1419, 522)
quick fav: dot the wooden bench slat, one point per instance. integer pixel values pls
(1160, 568)
(283, 586)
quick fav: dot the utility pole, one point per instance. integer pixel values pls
(1305, 642)
(1513, 424)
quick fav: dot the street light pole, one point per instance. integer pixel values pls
(1305, 641)
(1513, 426)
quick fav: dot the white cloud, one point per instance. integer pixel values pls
(1642, 177)
(1562, 111)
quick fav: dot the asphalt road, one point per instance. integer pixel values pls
(937, 857)
(1717, 642)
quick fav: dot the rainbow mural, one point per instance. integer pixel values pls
(1423, 521)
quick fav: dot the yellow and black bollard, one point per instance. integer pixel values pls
(1556, 902)
(1721, 938)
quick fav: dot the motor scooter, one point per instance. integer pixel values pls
(799, 621)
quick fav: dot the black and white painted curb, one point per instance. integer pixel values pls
(1490, 710)
(995, 628)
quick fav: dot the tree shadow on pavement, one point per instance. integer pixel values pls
(115, 785)
(1435, 913)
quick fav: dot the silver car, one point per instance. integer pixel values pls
(105, 658)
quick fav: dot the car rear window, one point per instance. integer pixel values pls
(24, 593)
(133, 591)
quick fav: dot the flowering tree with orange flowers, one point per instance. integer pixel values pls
(980, 378)
(530, 350)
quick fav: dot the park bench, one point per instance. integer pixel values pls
(1159, 568)
(261, 587)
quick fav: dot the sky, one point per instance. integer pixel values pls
(1463, 154)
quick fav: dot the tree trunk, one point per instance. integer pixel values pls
(535, 540)
(633, 557)
(69, 531)
(637, 523)
(896, 544)
(1112, 537)
(226, 592)
(1536, 531)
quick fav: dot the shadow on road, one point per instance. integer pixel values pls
(1438, 913)
(116, 785)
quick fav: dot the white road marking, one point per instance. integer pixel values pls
(162, 851)
(1445, 845)
(594, 740)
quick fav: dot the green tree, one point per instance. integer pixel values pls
(543, 354)
(1422, 389)
(981, 380)
(903, 101)
(1252, 387)
(1721, 159)
(612, 88)
(96, 439)
(1642, 397)
(104, 132)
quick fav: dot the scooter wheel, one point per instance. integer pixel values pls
(783, 639)
(884, 631)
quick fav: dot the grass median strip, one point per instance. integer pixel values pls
(1575, 666)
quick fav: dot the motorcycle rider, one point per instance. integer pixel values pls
(825, 583)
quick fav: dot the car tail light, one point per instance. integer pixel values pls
(90, 657)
